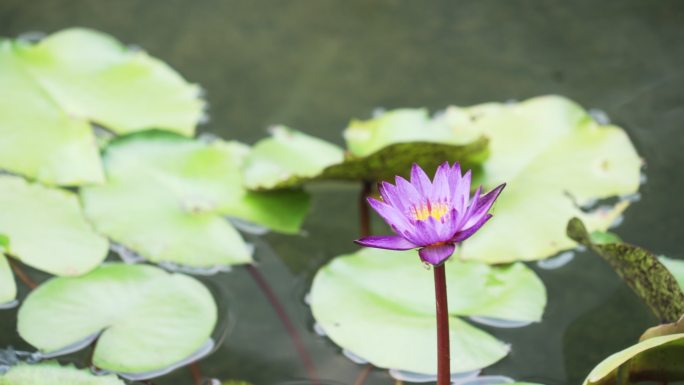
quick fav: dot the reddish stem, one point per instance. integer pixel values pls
(364, 212)
(363, 374)
(443, 359)
(285, 319)
(23, 277)
(196, 373)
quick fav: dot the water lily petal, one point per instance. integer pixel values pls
(391, 196)
(390, 242)
(420, 180)
(408, 193)
(483, 205)
(435, 255)
(464, 234)
(440, 185)
(391, 215)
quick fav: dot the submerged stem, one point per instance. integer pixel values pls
(23, 277)
(364, 212)
(363, 374)
(443, 356)
(196, 373)
(285, 319)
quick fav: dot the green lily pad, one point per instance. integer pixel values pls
(365, 137)
(554, 158)
(166, 197)
(54, 374)
(640, 269)
(55, 88)
(47, 228)
(655, 359)
(287, 156)
(138, 309)
(379, 304)
(291, 158)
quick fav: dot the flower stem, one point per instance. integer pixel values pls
(443, 358)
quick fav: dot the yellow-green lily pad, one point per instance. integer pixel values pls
(47, 228)
(54, 89)
(656, 359)
(167, 198)
(146, 318)
(554, 159)
(379, 304)
(51, 373)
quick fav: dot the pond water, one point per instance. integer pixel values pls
(314, 65)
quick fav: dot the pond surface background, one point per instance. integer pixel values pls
(313, 65)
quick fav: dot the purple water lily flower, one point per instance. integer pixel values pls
(433, 216)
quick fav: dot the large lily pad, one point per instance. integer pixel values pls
(47, 228)
(55, 88)
(656, 359)
(166, 198)
(379, 304)
(640, 269)
(291, 158)
(148, 319)
(555, 159)
(54, 374)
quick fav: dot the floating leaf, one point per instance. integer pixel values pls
(286, 157)
(166, 198)
(138, 309)
(47, 228)
(365, 137)
(642, 271)
(53, 373)
(55, 88)
(655, 359)
(291, 158)
(379, 304)
(554, 159)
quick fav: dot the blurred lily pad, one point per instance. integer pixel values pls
(555, 160)
(656, 359)
(135, 309)
(291, 158)
(167, 197)
(54, 89)
(52, 373)
(47, 228)
(379, 304)
(640, 269)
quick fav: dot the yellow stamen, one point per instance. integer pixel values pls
(424, 211)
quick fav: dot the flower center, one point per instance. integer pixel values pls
(429, 209)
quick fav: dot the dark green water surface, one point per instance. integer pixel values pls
(313, 65)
